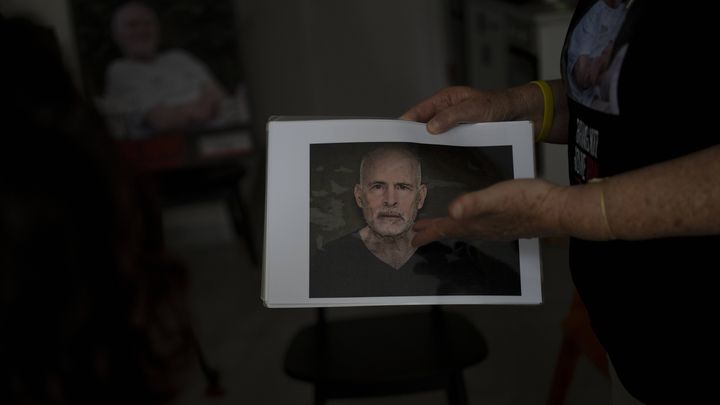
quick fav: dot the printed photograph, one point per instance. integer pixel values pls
(364, 201)
(595, 55)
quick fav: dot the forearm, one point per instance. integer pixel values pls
(166, 118)
(680, 197)
(530, 106)
(213, 91)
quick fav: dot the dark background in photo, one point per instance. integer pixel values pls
(448, 171)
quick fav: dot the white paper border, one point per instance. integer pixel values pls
(287, 222)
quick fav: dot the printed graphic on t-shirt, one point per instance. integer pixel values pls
(594, 58)
(585, 162)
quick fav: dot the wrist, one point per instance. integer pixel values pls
(524, 103)
(583, 212)
(603, 207)
(527, 105)
(558, 205)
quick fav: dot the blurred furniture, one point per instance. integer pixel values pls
(511, 42)
(386, 355)
(578, 340)
(184, 168)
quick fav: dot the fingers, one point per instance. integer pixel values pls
(439, 111)
(469, 205)
(420, 113)
(427, 109)
(466, 111)
(430, 230)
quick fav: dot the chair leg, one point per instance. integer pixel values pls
(456, 392)
(319, 397)
(564, 369)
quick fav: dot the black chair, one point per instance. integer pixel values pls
(386, 355)
(173, 171)
(221, 181)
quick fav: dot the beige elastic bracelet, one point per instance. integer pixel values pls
(602, 206)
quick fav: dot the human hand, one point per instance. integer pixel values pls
(165, 118)
(204, 107)
(460, 104)
(505, 211)
(200, 111)
(606, 55)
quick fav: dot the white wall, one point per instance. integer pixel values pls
(351, 57)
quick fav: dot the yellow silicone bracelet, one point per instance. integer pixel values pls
(548, 109)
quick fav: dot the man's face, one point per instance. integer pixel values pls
(136, 31)
(390, 194)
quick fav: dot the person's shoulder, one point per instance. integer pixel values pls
(118, 66)
(348, 240)
(458, 252)
(462, 267)
(436, 250)
(337, 256)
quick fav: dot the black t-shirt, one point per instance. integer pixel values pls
(649, 301)
(346, 268)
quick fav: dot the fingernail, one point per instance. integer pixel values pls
(433, 127)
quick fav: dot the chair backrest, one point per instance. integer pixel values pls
(385, 354)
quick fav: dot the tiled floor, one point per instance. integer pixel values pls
(245, 341)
